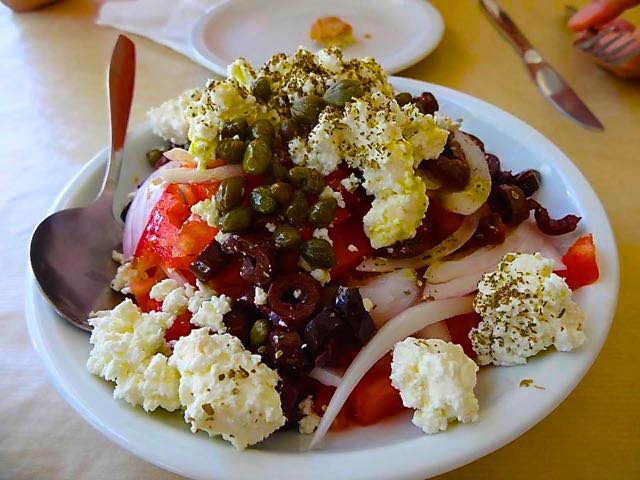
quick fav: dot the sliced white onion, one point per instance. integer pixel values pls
(326, 376)
(526, 238)
(140, 209)
(395, 330)
(477, 191)
(435, 330)
(180, 155)
(391, 293)
(449, 245)
(457, 287)
(192, 175)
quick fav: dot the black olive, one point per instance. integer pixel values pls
(349, 306)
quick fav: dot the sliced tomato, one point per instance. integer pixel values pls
(374, 398)
(347, 259)
(459, 328)
(581, 263)
(320, 403)
(229, 281)
(181, 327)
(194, 236)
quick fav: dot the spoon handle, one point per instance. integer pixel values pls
(122, 71)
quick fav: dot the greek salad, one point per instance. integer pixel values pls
(316, 251)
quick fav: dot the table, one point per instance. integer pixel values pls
(53, 119)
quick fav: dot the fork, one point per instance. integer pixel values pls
(609, 45)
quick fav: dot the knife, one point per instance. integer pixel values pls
(553, 87)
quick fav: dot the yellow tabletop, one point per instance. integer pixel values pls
(53, 119)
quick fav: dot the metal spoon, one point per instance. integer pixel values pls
(71, 249)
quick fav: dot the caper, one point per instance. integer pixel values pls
(230, 193)
(259, 332)
(307, 179)
(296, 212)
(318, 253)
(403, 98)
(230, 150)
(257, 157)
(282, 192)
(306, 110)
(153, 156)
(279, 172)
(290, 130)
(238, 127)
(262, 201)
(236, 220)
(263, 130)
(261, 89)
(343, 91)
(322, 212)
(286, 237)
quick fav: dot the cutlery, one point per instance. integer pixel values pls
(71, 249)
(552, 86)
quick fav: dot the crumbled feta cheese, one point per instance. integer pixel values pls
(271, 227)
(242, 72)
(350, 183)
(368, 304)
(260, 296)
(297, 293)
(226, 390)
(174, 298)
(352, 248)
(322, 233)
(221, 237)
(201, 295)
(127, 349)
(525, 308)
(207, 210)
(437, 379)
(309, 419)
(117, 257)
(170, 120)
(163, 288)
(322, 276)
(125, 275)
(211, 313)
(328, 192)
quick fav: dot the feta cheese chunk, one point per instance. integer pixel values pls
(321, 276)
(211, 313)
(170, 120)
(174, 298)
(309, 419)
(437, 379)
(128, 349)
(125, 275)
(201, 295)
(226, 390)
(260, 297)
(525, 308)
(208, 210)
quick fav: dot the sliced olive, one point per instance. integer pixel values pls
(153, 156)
(261, 89)
(322, 212)
(263, 130)
(236, 220)
(318, 253)
(306, 110)
(259, 332)
(307, 179)
(257, 157)
(343, 91)
(290, 129)
(286, 237)
(403, 98)
(262, 201)
(230, 150)
(282, 192)
(235, 127)
(297, 211)
(230, 193)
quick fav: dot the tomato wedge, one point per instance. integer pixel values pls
(581, 263)
(459, 328)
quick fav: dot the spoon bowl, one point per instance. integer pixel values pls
(71, 250)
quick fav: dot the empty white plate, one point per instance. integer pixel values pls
(397, 33)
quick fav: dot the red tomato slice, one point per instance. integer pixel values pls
(582, 266)
(229, 281)
(459, 328)
(181, 327)
(194, 236)
(374, 398)
(350, 233)
(320, 403)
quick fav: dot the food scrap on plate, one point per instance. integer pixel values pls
(314, 250)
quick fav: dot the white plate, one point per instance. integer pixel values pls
(394, 449)
(402, 32)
